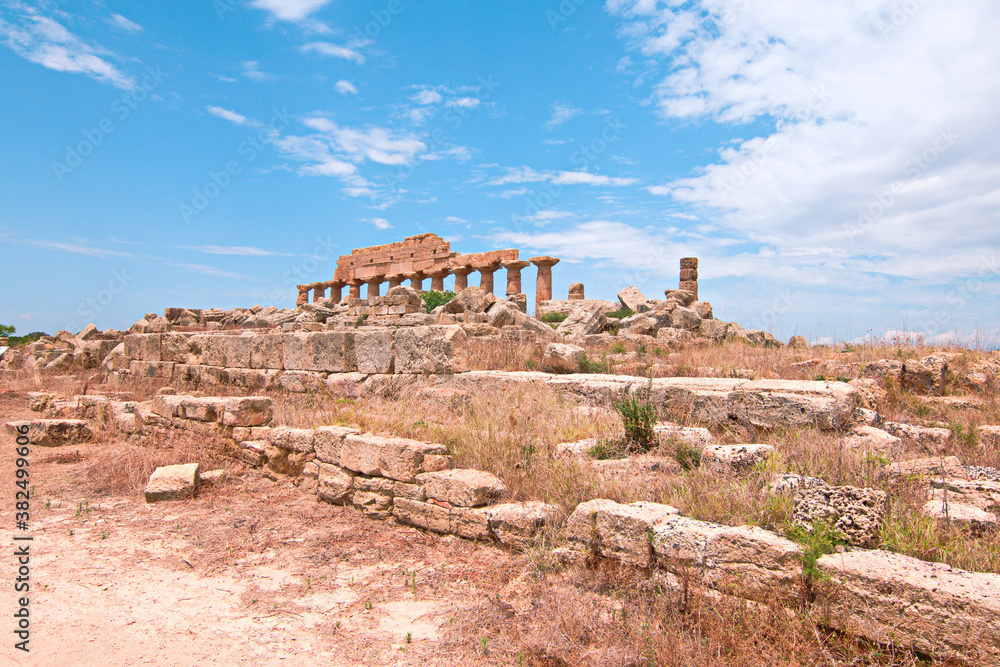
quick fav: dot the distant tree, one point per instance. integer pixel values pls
(7, 329)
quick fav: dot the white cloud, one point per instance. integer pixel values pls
(586, 178)
(212, 271)
(426, 96)
(623, 245)
(454, 219)
(79, 247)
(380, 223)
(247, 251)
(120, 21)
(251, 70)
(885, 153)
(289, 10)
(560, 114)
(42, 40)
(334, 51)
(226, 114)
(345, 87)
(465, 102)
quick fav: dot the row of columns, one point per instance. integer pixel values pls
(543, 287)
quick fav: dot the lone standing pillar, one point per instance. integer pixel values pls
(689, 275)
(514, 267)
(543, 287)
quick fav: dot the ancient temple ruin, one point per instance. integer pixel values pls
(426, 256)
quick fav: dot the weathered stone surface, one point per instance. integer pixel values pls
(142, 347)
(703, 308)
(431, 349)
(675, 338)
(372, 503)
(247, 411)
(328, 440)
(374, 351)
(935, 466)
(175, 482)
(948, 511)
(787, 483)
(329, 351)
(334, 484)
(294, 439)
(798, 342)
(518, 524)
(681, 296)
(981, 493)
(584, 320)
(924, 376)
(464, 487)
(715, 330)
(893, 599)
(684, 318)
(472, 299)
(634, 300)
(267, 351)
(212, 477)
(503, 314)
(852, 512)
(933, 440)
(411, 491)
(562, 358)
(427, 516)
(51, 432)
(362, 453)
(566, 306)
(871, 439)
(733, 459)
(623, 531)
(470, 523)
(282, 461)
(402, 460)
(693, 436)
(253, 452)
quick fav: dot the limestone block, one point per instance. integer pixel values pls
(327, 351)
(562, 358)
(334, 484)
(431, 349)
(934, 440)
(374, 351)
(693, 436)
(166, 406)
(212, 477)
(253, 452)
(675, 338)
(581, 525)
(175, 482)
(464, 487)
(378, 505)
(517, 525)
(852, 512)
(410, 491)
(470, 523)
(872, 439)
(294, 439)
(225, 351)
(935, 466)
(472, 299)
(752, 562)
(362, 453)
(584, 320)
(247, 411)
(436, 462)
(948, 511)
(266, 351)
(328, 441)
(143, 347)
(427, 516)
(982, 493)
(624, 531)
(770, 403)
(787, 483)
(402, 459)
(684, 318)
(634, 300)
(893, 599)
(177, 347)
(301, 381)
(284, 461)
(158, 370)
(733, 459)
(502, 314)
(681, 296)
(51, 432)
(715, 330)
(703, 308)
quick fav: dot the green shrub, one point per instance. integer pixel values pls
(433, 299)
(621, 313)
(554, 318)
(588, 365)
(687, 456)
(638, 416)
(822, 540)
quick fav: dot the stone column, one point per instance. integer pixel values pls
(461, 277)
(303, 297)
(336, 290)
(437, 279)
(689, 275)
(486, 271)
(514, 267)
(373, 284)
(543, 286)
(319, 291)
(355, 288)
(417, 280)
(395, 279)
(575, 292)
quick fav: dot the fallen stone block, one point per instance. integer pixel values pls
(951, 512)
(583, 321)
(893, 599)
(693, 436)
(624, 531)
(934, 440)
(733, 459)
(254, 452)
(984, 494)
(854, 513)
(431, 349)
(176, 482)
(562, 358)
(329, 440)
(935, 466)
(52, 432)
(212, 477)
(247, 411)
(518, 525)
(334, 483)
(463, 487)
(634, 300)
(871, 439)
(787, 483)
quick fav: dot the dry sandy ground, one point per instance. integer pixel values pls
(251, 573)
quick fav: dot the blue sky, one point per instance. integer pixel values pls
(835, 166)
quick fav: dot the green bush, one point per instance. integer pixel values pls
(591, 366)
(638, 416)
(822, 540)
(621, 313)
(687, 456)
(433, 299)
(554, 318)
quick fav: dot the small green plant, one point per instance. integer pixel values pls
(530, 364)
(409, 637)
(820, 378)
(641, 349)
(687, 456)
(843, 378)
(620, 314)
(361, 320)
(368, 604)
(433, 299)
(609, 449)
(821, 540)
(638, 417)
(618, 348)
(486, 650)
(588, 365)
(966, 436)
(658, 351)
(554, 318)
